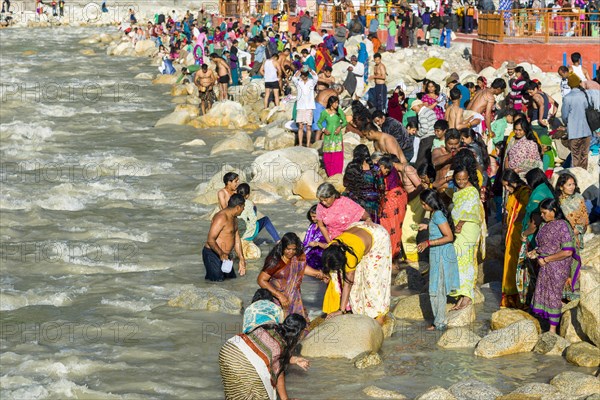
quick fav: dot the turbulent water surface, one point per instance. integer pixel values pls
(99, 231)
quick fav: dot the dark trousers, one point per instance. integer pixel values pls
(468, 24)
(424, 153)
(380, 92)
(580, 149)
(265, 223)
(212, 263)
(409, 153)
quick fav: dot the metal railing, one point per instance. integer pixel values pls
(542, 25)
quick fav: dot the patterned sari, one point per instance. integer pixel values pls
(429, 100)
(393, 210)
(468, 208)
(552, 238)
(313, 254)
(515, 210)
(370, 194)
(576, 213)
(287, 279)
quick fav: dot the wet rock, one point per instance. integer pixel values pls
(175, 118)
(583, 354)
(415, 307)
(281, 169)
(588, 315)
(179, 90)
(378, 393)
(507, 316)
(87, 52)
(278, 138)
(463, 317)
(570, 328)
(124, 49)
(389, 326)
(144, 75)
(472, 389)
(210, 299)
(259, 142)
(195, 142)
(307, 185)
(191, 110)
(250, 250)
(456, 338)
(90, 40)
(551, 344)
(368, 360)
(238, 142)
(576, 383)
(259, 196)
(165, 80)
(207, 191)
(146, 48)
(225, 114)
(543, 391)
(479, 297)
(519, 337)
(345, 336)
(437, 393)
(519, 396)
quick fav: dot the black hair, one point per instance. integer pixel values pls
(377, 114)
(464, 161)
(563, 68)
(499, 83)
(452, 134)
(412, 123)
(361, 117)
(482, 147)
(531, 85)
(470, 85)
(512, 178)
(277, 252)
(376, 55)
(243, 189)
(441, 124)
(524, 74)
(229, 177)
(312, 210)
(354, 179)
(436, 87)
(334, 259)
(575, 57)
(262, 294)
(236, 200)
(562, 179)
(536, 177)
(427, 170)
(551, 204)
(386, 161)
(455, 93)
(332, 100)
(433, 200)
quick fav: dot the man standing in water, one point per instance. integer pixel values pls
(224, 72)
(205, 80)
(224, 236)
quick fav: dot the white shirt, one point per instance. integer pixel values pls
(578, 70)
(270, 72)
(305, 99)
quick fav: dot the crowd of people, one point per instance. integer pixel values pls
(428, 192)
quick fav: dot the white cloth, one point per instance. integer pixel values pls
(270, 72)
(258, 364)
(578, 70)
(359, 71)
(305, 99)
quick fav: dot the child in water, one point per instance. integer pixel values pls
(314, 241)
(443, 265)
(254, 226)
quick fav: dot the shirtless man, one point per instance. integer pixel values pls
(224, 73)
(384, 142)
(224, 236)
(441, 158)
(379, 76)
(454, 114)
(483, 101)
(326, 80)
(231, 180)
(205, 80)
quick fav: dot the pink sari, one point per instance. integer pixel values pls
(342, 213)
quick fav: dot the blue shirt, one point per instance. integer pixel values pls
(465, 95)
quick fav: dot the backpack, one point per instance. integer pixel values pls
(591, 114)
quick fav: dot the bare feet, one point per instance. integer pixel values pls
(430, 328)
(465, 302)
(457, 305)
(553, 328)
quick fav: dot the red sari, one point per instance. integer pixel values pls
(393, 210)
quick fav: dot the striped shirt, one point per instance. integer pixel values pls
(427, 119)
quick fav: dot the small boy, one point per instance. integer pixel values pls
(231, 180)
(454, 114)
(439, 129)
(549, 154)
(253, 224)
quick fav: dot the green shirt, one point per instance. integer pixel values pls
(333, 142)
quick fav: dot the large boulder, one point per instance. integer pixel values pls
(190, 109)
(225, 114)
(437, 75)
(146, 48)
(278, 138)
(437, 393)
(345, 336)
(570, 328)
(519, 337)
(210, 299)
(175, 118)
(471, 389)
(165, 80)
(307, 185)
(588, 315)
(540, 390)
(583, 354)
(239, 142)
(379, 393)
(576, 383)
(207, 191)
(551, 344)
(589, 277)
(415, 307)
(281, 169)
(179, 90)
(144, 76)
(456, 338)
(123, 49)
(507, 316)
(462, 317)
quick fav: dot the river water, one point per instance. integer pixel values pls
(99, 231)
